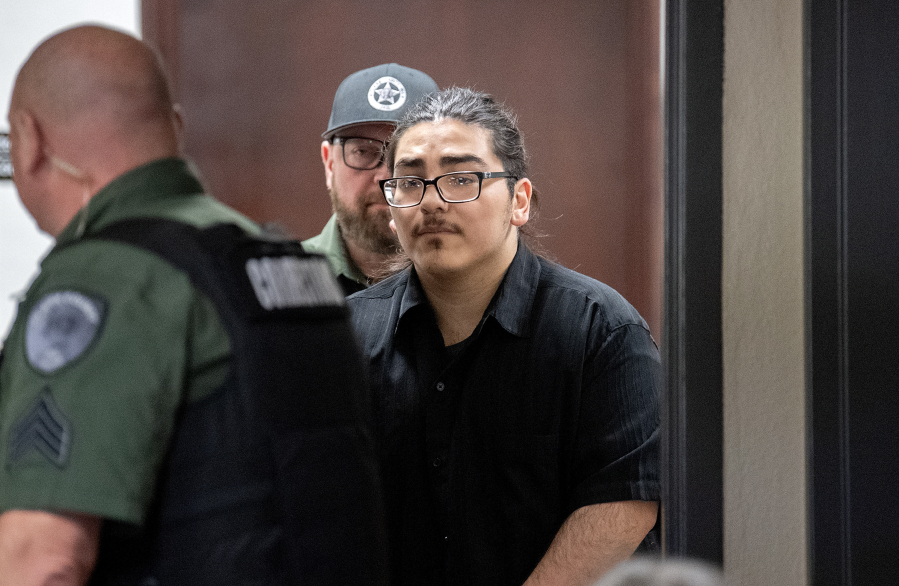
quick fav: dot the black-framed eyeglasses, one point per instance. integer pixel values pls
(362, 154)
(456, 187)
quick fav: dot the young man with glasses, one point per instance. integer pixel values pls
(516, 401)
(367, 105)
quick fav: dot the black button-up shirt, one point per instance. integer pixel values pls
(487, 447)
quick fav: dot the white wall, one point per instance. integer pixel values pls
(763, 344)
(23, 25)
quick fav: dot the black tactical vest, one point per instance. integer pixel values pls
(272, 479)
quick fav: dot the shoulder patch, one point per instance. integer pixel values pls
(42, 431)
(60, 328)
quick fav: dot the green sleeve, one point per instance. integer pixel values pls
(96, 365)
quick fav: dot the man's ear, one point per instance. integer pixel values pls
(29, 143)
(392, 225)
(521, 202)
(328, 150)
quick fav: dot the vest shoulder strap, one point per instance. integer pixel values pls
(258, 277)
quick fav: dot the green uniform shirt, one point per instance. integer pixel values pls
(106, 344)
(330, 243)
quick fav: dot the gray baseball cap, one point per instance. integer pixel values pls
(377, 94)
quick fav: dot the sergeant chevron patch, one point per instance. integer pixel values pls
(44, 431)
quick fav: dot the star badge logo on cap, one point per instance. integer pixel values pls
(387, 94)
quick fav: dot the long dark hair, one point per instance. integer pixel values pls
(479, 109)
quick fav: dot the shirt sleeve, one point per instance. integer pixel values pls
(87, 408)
(617, 442)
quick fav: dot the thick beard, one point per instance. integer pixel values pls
(368, 230)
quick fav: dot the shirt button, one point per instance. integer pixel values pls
(438, 462)
(440, 386)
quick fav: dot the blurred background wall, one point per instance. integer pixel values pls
(22, 26)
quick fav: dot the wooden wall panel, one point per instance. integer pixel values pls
(256, 82)
(160, 27)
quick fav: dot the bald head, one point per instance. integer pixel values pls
(91, 70)
(93, 103)
(96, 90)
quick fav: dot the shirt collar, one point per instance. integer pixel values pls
(413, 294)
(514, 300)
(333, 246)
(511, 304)
(160, 178)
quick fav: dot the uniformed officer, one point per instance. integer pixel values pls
(357, 239)
(118, 367)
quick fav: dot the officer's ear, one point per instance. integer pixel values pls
(328, 151)
(29, 147)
